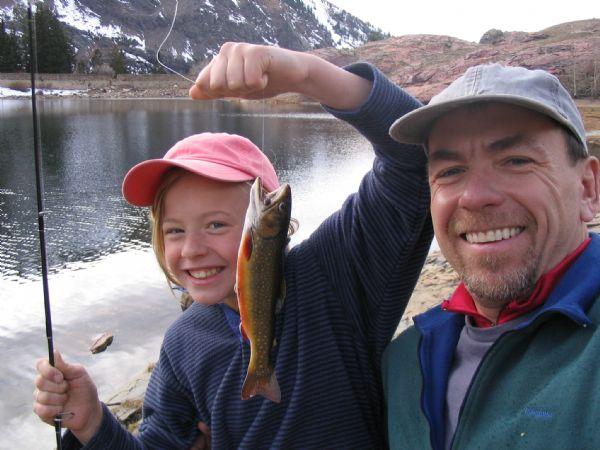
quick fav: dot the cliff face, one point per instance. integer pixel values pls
(425, 64)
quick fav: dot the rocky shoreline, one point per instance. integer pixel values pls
(436, 283)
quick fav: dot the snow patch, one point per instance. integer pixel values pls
(188, 52)
(237, 18)
(6, 92)
(83, 18)
(237, 5)
(141, 42)
(322, 11)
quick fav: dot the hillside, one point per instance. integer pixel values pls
(425, 64)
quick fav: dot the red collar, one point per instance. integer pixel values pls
(461, 301)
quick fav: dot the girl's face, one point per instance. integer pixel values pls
(202, 227)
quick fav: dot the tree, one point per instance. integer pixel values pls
(55, 52)
(96, 60)
(10, 59)
(377, 35)
(117, 60)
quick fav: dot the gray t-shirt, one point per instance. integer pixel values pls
(472, 346)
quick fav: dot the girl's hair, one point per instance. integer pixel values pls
(157, 217)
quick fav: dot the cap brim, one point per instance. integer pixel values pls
(414, 127)
(142, 181)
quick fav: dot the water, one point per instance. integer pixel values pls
(102, 273)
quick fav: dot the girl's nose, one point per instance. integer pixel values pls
(194, 245)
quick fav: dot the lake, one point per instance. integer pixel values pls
(103, 276)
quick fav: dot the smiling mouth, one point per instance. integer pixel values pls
(500, 234)
(204, 274)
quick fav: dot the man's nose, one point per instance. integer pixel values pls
(480, 190)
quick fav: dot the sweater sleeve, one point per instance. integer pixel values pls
(169, 418)
(373, 248)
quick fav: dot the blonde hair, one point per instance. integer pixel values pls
(157, 215)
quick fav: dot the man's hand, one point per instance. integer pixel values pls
(68, 390)
(257, 71)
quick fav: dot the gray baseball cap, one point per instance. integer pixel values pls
(537, 90)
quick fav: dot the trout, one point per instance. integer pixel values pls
(259, 283)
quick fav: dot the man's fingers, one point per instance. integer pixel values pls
(46, 371)
(47, 385)
(217, 81)
(47, 413)
(255, 76)
(49, 398)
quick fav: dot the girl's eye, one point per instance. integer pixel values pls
(172, 230)
(216, 225)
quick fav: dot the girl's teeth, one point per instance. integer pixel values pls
(202, 274)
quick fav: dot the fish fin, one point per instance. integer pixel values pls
(266, 386)
(246, 246)
(243, 332)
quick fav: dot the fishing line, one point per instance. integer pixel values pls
(40, 201)
(194, 81)
(163, 43)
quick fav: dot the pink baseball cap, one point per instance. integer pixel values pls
(220, 156)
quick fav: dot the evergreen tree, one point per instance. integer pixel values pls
(10, 60)
(96, 60)
(117, 60)
(54, 48)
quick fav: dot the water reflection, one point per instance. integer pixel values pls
(89, 145)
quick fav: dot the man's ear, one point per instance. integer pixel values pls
(590, 180)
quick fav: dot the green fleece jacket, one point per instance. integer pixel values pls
(538, 386)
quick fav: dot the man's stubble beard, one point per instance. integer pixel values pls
(493, 287)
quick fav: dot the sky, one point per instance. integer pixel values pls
(467, 19)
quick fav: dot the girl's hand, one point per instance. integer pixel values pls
(67, 389)
(257, 71)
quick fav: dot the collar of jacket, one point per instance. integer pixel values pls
(572, 296)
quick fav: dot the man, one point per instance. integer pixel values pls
(511, 360)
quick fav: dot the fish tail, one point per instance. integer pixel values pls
(265, 385)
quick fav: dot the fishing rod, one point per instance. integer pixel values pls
(39, 182)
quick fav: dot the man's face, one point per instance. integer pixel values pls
(505, 201)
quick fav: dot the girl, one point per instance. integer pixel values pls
(346, 286)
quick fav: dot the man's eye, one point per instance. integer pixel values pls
(446, 173)
(517, 161)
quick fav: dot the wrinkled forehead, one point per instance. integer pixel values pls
(475, 119)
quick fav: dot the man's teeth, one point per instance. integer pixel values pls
(492, 235)
(202, 274)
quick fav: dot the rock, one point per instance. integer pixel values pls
(126, 403)
(492, 37)
(101, 342)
